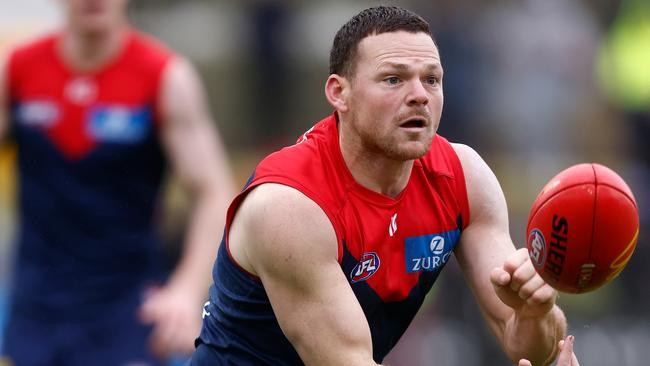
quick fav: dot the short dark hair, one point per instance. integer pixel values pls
(376, 20)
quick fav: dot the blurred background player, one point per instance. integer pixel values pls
(96, 110)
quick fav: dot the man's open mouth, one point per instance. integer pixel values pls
(414, 123)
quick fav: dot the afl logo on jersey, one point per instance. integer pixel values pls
(367, 266)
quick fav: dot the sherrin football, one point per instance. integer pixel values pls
(582, 228)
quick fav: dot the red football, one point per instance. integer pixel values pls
(582, 228)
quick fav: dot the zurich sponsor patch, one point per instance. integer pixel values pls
(429, 252)
(119, 124)
(367, 266)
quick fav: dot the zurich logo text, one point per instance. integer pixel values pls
(429, 252)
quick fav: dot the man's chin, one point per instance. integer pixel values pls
(412, 151)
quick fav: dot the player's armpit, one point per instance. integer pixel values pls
(288, 241)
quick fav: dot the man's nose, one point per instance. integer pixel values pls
(417, 93)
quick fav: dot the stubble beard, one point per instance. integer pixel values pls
(392, 148)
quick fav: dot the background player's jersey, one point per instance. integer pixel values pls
(90, 166)
(390, 249)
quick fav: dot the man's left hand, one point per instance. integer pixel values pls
(520, 287)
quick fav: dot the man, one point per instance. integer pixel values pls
(332, 246)
(94, 109)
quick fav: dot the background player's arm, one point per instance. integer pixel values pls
(198, 160)
(519, 307)
(4, 99)
(287, 240)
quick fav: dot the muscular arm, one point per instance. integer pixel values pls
(198, 160)
(519, 307)
(287, 240)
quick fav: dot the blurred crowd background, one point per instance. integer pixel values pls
(533, 85)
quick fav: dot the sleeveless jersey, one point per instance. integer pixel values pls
(390, 249)
(90, 166)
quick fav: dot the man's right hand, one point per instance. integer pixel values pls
(566, 356)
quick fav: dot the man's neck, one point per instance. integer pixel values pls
(87, 51)
(374, 171)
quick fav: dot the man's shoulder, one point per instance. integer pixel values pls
(467, 156)
(145, 52)
(311, 166)
(149, 42)
(29, 55)
(309, 158)
(33, 47)
(274, 196)
(441, 159)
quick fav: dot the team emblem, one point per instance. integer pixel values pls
(367, 266)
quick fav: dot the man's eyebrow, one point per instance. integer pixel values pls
(404, 67)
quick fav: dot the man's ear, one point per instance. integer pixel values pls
(337, 89)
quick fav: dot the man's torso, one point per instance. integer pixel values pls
(390, 249)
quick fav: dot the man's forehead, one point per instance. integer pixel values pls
(394, 45)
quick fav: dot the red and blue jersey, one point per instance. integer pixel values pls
(390, 249)
(90, 166)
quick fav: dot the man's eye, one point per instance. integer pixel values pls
(432, 80)
(392, 80)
